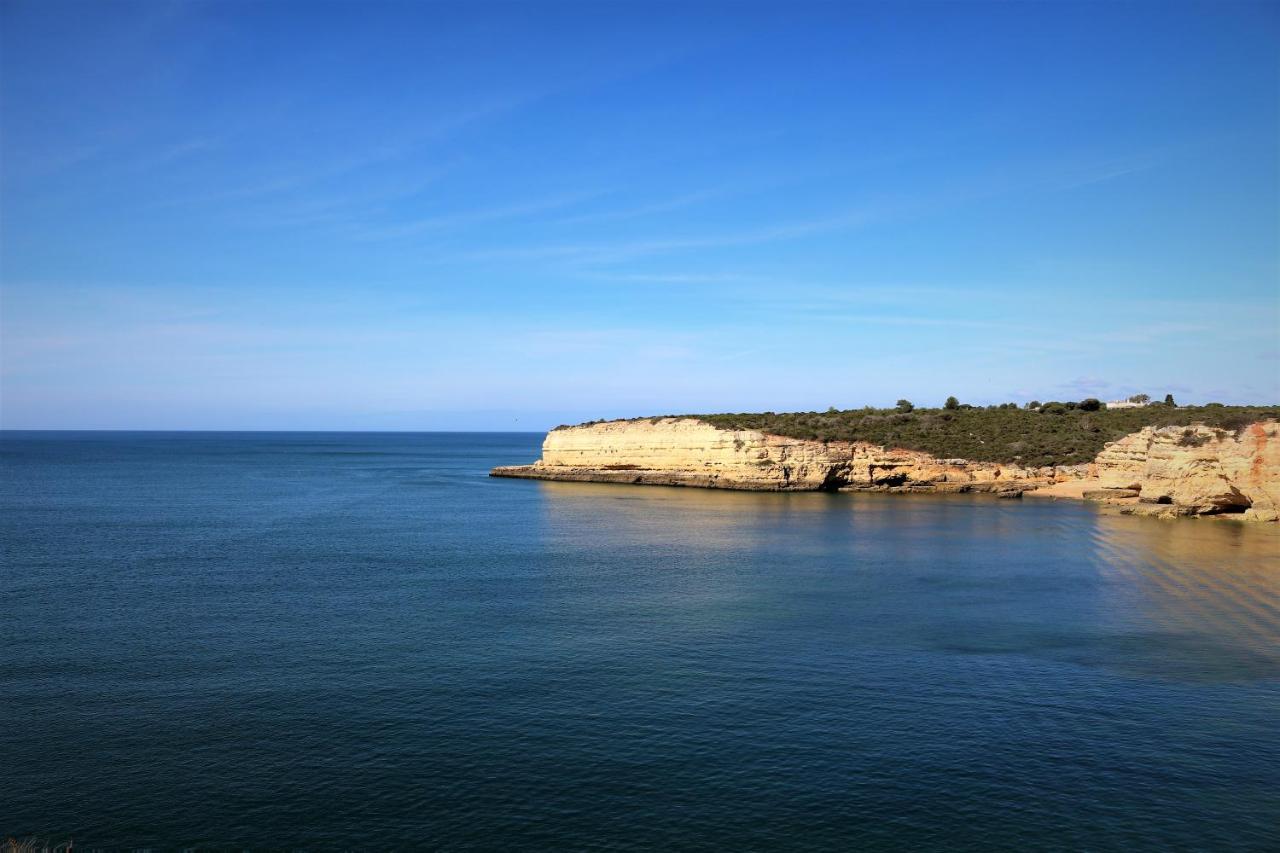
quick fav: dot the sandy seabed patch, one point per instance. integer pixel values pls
(1070, 490)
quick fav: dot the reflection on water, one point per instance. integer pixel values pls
(1208, 582)
(362, 641)
(1187, 599)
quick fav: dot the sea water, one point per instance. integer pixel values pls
(361, 641)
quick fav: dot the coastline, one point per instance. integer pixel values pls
(1164, 472)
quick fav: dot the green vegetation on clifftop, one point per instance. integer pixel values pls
(1056, 434)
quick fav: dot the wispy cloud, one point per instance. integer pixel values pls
(1098, 173)
(1086, 385)
(973, 188)
(177, 152)
(476, 216)
(407, 142)
(664, 206)
(674, 278)
(616, 252)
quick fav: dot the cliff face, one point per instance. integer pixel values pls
(1198, 470)
(689, 452)
(1160, 471)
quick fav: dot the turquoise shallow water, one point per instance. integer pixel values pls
(361, 641)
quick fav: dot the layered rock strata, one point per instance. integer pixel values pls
(689, 452)
(1194, 470)
(1164, 471)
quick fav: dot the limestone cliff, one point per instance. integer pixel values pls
(1167, 471)
(689, 452)
(1198, 470)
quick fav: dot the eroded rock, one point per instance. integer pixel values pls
(1166, 471)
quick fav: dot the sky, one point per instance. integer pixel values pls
(396, 215)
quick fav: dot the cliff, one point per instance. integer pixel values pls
(1197, 470)
(1166, 471)
(689, 452)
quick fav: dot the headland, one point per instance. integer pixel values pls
(1159, 460)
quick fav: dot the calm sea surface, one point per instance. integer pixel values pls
(361, 641)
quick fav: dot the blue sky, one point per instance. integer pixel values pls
(486, 216)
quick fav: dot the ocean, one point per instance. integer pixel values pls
(361, 641)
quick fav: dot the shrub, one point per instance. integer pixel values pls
(995, 435)
(1191, 438)
(1236, 421)
(1090, 404)
(905, 405)
(952, 403)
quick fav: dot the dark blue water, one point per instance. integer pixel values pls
(361, 641)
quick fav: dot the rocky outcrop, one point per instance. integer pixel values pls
(1159, 471)
(1197, 470)
(689, 452)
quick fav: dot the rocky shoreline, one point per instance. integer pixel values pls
(1160, 471)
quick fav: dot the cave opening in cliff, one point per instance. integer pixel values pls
(836, 479)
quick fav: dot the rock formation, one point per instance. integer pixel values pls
(689, 452)
(1164, 471)
(1196, 470)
